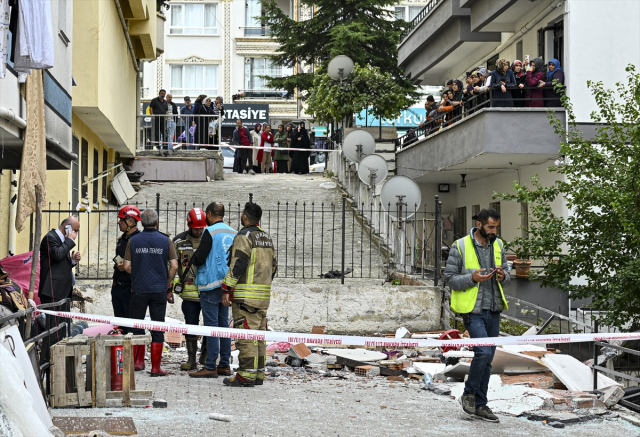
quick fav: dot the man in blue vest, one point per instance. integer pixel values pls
(477, 272)
(211, 260)
(146, 258)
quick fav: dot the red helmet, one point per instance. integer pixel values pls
(129, 211)
(196, 218)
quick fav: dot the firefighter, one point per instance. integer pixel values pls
(128, 218)
(252, 266)
(187, 244)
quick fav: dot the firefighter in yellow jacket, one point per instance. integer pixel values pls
(252, 266)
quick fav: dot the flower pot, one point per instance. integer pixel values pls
(512, 257)
(523, 266)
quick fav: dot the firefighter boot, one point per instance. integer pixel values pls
(192, 349)
(203, 352)
(156, 358)
(238, 381)
(138, 354)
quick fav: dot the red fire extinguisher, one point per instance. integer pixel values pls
(117, 363)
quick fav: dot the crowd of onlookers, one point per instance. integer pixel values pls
(529, 84)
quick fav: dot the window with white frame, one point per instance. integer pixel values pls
(192, 80)
(194, 19)
(408, 13)
(257, 67)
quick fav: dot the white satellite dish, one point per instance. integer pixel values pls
(372, 169)
(358, 144)
(400, 197)
(340, 67)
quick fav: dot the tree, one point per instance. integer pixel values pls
(361, 29)
(366, 87)
(599, 241)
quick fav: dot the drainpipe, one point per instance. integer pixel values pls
(10, 117)
(13, 209)
(138, 91)
(527, 27)
(125, 29)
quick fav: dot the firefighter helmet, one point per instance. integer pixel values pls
(129, 211)
(196, 219)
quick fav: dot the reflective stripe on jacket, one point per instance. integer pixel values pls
(467, 300)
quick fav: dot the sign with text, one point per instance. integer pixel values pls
(248, 113)
(410, 117)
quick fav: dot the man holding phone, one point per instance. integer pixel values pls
(56, 275)
(477, 272)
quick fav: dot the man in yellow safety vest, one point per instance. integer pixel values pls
(477, 272)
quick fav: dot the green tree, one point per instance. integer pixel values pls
(361, 29)
(599, 241)
(366, 87)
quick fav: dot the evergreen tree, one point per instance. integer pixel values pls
(361, 29)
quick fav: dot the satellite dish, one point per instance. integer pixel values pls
(399, 197)
(372, 169)
(358, 144)
(340, 67)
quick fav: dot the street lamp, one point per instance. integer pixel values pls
(340, 68)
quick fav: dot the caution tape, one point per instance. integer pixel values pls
(343, 340)
(177, 145)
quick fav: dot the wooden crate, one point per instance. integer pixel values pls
(70, 387)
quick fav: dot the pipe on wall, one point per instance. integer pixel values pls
(10, 117)
(125, 29)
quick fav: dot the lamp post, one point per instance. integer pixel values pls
(339, 69)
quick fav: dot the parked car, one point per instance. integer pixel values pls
(229, 154)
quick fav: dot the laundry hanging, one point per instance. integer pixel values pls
(4, 36)
(34, 41)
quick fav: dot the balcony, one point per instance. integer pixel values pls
(501, 15)
(479, 143)
(438, 39)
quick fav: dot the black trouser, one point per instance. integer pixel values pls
(52, 322)
(246, 155)
(158, 124)
(191, 310)
(120, 300)
(157, 304)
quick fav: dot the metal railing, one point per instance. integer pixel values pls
(179, 131)
(418, 18)
(310, 237)
(473, 104)
(261, 94)
(256, 30)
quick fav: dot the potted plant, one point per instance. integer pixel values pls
(521, 263)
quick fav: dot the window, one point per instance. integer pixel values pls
(519, 51)
(408, 13)
(84, 163)
(105, 160)
(252, 14)
(95, 175)
(75, 173)
(460, 223)
(475, 209)
(496, 206)
(558, 41)
(491, 63)
(191, 80)
(541, 37)
(254, 68)
(194, 19)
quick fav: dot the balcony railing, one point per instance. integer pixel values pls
(474, 104)
(418, 18)
(257, 31)
(179, 131)
(261, 94)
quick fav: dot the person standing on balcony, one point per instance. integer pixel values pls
(146, 258)
(264, 156)
(534, 76)
(188, 109)
(171, 121)
(256, 136)
(519, 94)
(242, 137)
(554, 73)
(158, 107)
(477, 273)
(281, 157)
(502, 79)
(201, 112)
(217, 109)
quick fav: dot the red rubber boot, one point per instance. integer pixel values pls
(156, 357)
(138, 355)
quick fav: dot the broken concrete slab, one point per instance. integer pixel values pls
(458, 371)
(431, 368)
(299, 350)
(509, 360)
(575, 375)
(362, 355)
(559, 416)
(611, 395)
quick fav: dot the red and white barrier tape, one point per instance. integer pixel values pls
(177, 145)
(291, 337)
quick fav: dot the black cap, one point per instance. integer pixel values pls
(187, 98)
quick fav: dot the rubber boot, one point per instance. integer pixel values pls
(192, 349)
(138, 354)
(156, 358)
(203, 352)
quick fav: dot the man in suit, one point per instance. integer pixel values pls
(56, 275)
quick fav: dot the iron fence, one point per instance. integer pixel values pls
(179, 131)
(312, 239)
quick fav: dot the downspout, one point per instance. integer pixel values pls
(125, 29)
(13, 209)
(527, 27)
(10, 117)
(138, 90)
